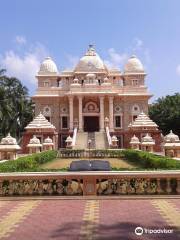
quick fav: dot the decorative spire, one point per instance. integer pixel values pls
(91, 51)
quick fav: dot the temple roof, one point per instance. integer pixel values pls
(34, 142)
(47, 67)
(48, 141)
(133, 65)
(134, 140)
(90, 62)
(171, 137)
(9, 143)
(147, 140)
(143, 121)
(40, 122)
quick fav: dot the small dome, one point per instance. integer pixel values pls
(171, 137)
(133, 65)
(8, 140)
(114, 138)
(69, 139)
(76, 80)
(147, 138)
(90, 62)
(134, 139)
(34, 140)
(48, 140)
(48, 66)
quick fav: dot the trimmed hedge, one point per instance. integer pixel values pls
(28, 163)
(150, 161)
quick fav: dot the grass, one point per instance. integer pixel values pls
(61, 163)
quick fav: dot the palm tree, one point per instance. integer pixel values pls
(16, 109)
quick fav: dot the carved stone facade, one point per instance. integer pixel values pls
(89, 93)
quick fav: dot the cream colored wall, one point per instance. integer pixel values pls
(56, 104)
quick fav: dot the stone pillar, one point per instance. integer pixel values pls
(80, 113)
(102, 114)
(71, 113)
(111, 114)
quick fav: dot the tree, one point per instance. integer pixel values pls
(16, 108)
(166, 113)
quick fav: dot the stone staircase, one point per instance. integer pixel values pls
(81, 140)
(98, 140)
(101, 140)
(91, 136)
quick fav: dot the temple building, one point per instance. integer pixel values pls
(93, 101)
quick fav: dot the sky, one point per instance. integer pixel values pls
(63, 29)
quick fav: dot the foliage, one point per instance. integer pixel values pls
(16, 108)
(166, 113)
(150, 161)
(28, 163)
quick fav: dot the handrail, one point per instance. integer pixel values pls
(74, 137)
(108, 136)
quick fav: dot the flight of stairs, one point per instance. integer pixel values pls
(101, 140)
(98, 140)
(91, 136)
(81, 140)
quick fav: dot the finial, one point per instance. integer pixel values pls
(91, 46)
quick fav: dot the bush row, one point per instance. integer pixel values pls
(28, 163)
(150, 160)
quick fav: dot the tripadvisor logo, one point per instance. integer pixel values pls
(139, 231)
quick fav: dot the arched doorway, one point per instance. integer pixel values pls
(91, 117)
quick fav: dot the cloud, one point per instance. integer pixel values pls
(178, 70)
(137, 43)
(20, 39)
(24, 66)
(72, 61)
(115, 59)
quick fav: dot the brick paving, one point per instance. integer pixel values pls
(101, 219)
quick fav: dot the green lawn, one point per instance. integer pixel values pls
(60, 163)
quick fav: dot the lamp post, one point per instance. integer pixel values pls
(89, 146)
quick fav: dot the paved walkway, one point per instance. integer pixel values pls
(89, 219)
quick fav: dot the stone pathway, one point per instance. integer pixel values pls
(89, 219)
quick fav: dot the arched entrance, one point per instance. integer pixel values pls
(91, 117)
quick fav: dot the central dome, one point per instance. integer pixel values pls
(90, 62)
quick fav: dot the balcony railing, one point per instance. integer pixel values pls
(91, 183)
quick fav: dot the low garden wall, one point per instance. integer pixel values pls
(90, 183)
(92, 153)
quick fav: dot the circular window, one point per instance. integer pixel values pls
(117, 109)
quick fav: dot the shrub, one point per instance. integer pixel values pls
(150, 160)
(28, 163)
